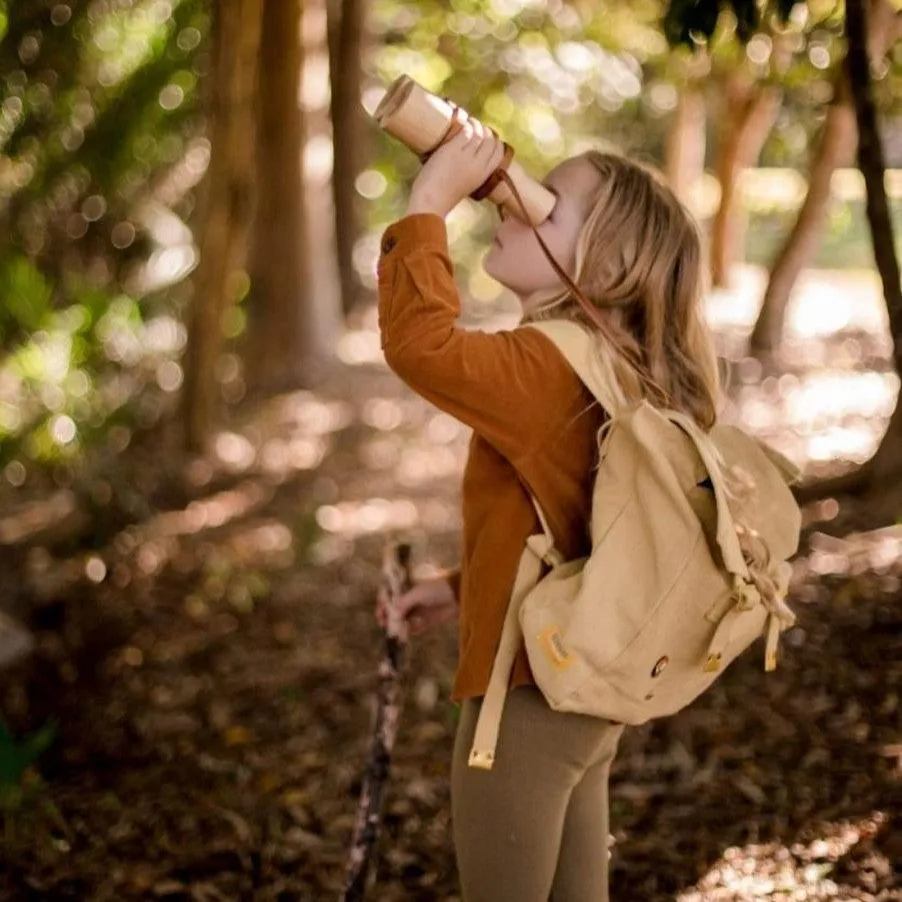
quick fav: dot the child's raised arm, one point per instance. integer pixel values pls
(512, 387)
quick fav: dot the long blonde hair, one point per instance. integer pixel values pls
(639, 259)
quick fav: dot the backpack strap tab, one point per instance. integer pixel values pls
(543, 545)
(727, 538)
(485, 739)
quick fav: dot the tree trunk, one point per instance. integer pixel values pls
(280, 265)
(347, 33)
(887, 462)
(751, 110)
(684, 154)
(228, 206)
(836, 147)
(323, 306)
(877, 479)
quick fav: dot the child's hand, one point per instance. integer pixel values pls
(429, 603)
(456, 169)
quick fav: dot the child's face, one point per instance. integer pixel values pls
(516, 259)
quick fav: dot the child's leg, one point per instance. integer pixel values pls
(582, 868)
(509, 823)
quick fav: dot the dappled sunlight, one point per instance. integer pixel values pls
(33, 519)
(200, 622)
(210, 513)
(823, 302)
(831, 404)
(302, 412)
(875, 551)
(233, 529)
(822, 416)
(801, 871)
(359, 346)
(351, 519)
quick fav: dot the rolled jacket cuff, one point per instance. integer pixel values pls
(418, 231)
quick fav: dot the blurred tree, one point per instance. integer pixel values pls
(749, 107)
(684, 154)
(348, 46)
(99, 152)
(280, 264)
(220, 280)
(878, 480)
(835, 147)
(322, 304)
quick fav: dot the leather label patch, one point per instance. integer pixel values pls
(553, 645)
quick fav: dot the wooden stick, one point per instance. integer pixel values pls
(396, 581)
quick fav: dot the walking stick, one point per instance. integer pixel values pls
(395, 582)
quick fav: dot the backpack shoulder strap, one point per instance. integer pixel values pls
(575, 343)
(727, 538)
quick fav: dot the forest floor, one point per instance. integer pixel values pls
(211, 674)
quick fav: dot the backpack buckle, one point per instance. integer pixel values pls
(745, 595)
(713, 662)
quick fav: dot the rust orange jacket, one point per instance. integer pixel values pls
(534, 425)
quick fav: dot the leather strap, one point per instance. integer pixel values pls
(588, 307)
(492, 182)
(458, 117)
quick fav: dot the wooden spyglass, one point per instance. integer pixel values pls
(424, 121)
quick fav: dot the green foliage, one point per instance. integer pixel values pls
(100, 142)
(692, 21)
(25, 295)
(845, 243)
(100, 106)
(17, 755)
(551, 80)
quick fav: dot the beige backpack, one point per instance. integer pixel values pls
(665, 601)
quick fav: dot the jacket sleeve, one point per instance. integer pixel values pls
(505, 385)
(452, 577)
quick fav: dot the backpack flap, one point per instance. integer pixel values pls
(771, 511)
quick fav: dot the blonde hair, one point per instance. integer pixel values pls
(639, 259)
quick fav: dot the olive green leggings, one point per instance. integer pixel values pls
(535, 827)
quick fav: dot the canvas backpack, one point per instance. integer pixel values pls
(644, 624)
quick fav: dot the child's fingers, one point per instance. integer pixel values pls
(497, 153)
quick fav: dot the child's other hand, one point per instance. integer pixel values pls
(428, 604)
(456, 169)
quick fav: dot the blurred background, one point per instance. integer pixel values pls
(202, 452)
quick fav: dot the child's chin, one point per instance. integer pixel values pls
(493, 273)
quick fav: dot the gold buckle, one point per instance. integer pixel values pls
(712, 665)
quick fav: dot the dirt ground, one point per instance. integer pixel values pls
(213, 695)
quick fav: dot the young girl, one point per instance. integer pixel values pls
(535, 827)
